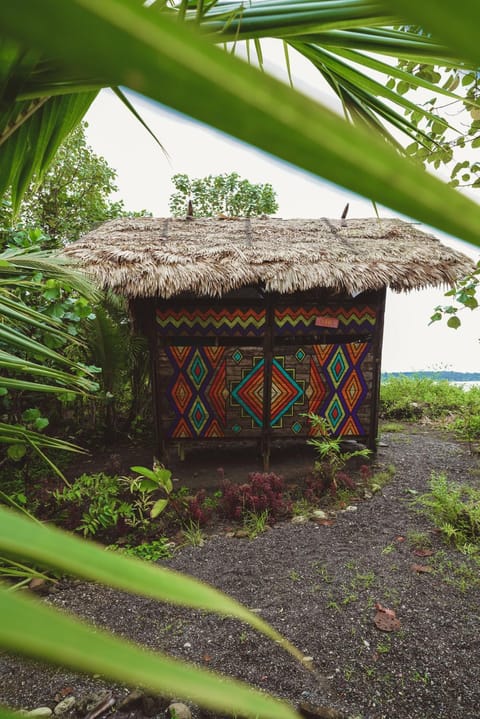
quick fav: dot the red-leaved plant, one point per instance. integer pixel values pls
(263, 491)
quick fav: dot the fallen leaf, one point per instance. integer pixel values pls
(421, 568)
(386, 623)
(380, 608)
(207, 658)
(325, 522)
(400, 539)
(423, 552)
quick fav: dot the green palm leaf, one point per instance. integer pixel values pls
(40, 632)
(169, 62)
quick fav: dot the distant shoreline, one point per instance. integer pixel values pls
(448, 375)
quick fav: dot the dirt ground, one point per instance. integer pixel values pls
(317, 584)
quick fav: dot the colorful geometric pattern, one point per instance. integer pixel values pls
(196, 392)
(249, 392)
(237, 322)
(214, 392)
(286, 392)
(352, 320)
(337, 386)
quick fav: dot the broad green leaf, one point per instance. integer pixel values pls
(152, 54)
(40, 632)
(455, 23)
(145, 472)
(158, 507)
(454, 322)
(21, 538)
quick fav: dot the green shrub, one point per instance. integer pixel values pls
(455, 510)
(149, 551)
(96, 503)
(410, 398)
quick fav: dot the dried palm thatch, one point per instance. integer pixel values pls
(148, 257)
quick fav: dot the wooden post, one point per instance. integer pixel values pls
(377, 368)
(267, 382)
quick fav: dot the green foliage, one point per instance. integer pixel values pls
(467, 422)
(331, 458)
(255, 523)
(72, 196)
(462, 575)
(30, 363)
(97, 496)
(221, 195)
(414, 397)
(39, 631)
(193, 535)
(455, 510)
(219, 89)
(462, 296)
(183, 70)
(105, 502)
(148, 551)
(149, 482)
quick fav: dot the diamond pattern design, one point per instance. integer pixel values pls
(181, 393)
(198, 415)
(249, 393)
(197, 369)
(285, 392)
(352, 391)
(337, 367)
(335, 413)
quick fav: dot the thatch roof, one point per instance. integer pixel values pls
(145, 257)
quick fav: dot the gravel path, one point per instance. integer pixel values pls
(318, 585)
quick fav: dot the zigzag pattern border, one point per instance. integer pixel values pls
(289, 319)
(234, 322)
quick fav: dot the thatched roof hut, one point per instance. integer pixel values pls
(155, 257)
(254, 322)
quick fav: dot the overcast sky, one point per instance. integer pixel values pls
(144, 183)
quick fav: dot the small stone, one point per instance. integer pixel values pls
(39, 712)
(65, 706)
(351, 508)
(367, 494)
(187, 645)
(179, 711)
(299, 519)
(319, 514)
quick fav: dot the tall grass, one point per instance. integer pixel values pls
(422, 398)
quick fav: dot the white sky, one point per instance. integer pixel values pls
(144, 183)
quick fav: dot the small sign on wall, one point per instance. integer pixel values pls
(322, 321)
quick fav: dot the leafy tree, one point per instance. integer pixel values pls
(73, 194)
(221, 195)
